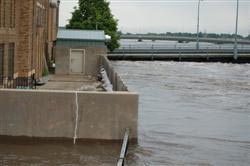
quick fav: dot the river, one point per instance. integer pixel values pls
(190, 113)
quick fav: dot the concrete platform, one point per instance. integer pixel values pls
(71, 82)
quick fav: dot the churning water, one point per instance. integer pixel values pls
(190, 114)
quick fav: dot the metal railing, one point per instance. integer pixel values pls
(181, 38)
(25, 83)
(181, 46)
(17, 83)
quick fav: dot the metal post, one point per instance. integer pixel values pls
(179, 53)
(198, 25)
(123, 52)
(236, 33)
(124, 148)
(152, 57)
(207, 54)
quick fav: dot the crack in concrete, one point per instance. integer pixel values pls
(76, 117)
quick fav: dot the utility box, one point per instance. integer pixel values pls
(78, 52)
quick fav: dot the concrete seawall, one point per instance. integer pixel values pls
(115, 79)
(54, 114)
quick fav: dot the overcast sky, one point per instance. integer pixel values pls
(141, 16)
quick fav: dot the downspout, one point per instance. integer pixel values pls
(33, 29)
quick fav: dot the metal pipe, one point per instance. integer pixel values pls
(236, 33)
(124, 148)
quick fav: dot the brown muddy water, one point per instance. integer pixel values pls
(17, 153)
(190, 114)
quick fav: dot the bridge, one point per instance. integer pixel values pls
(205, 54)
(184, 39)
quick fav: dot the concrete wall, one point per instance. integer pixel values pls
(102, 116)
(92, 55)
(115, 79)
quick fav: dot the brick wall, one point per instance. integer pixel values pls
(30, 33)
(25, 38)
(8, 34)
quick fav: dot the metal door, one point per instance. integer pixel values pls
(77, 62)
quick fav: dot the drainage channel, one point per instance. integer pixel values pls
(124, 148)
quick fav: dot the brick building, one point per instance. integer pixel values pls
(28, 31)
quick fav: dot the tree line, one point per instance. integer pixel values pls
(186, 34)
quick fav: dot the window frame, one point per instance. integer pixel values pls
(11, 60)
(1, 10)
(1, 63)
(13, 14)
(7, 13)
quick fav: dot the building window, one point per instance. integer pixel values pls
(5, 9)
(41, 15)
(1, 63)
(11, 56)
(13, 14)
(1, 13)
(7, 13)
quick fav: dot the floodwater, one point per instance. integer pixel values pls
(58, 154)
(190, 113)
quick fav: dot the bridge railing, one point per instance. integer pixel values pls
(182, 39)
(179, 46)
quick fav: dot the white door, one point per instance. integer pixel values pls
(77, 62)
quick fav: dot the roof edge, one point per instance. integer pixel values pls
(92, 30)
(93, 40)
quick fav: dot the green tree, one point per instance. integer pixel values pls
(96, 14)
